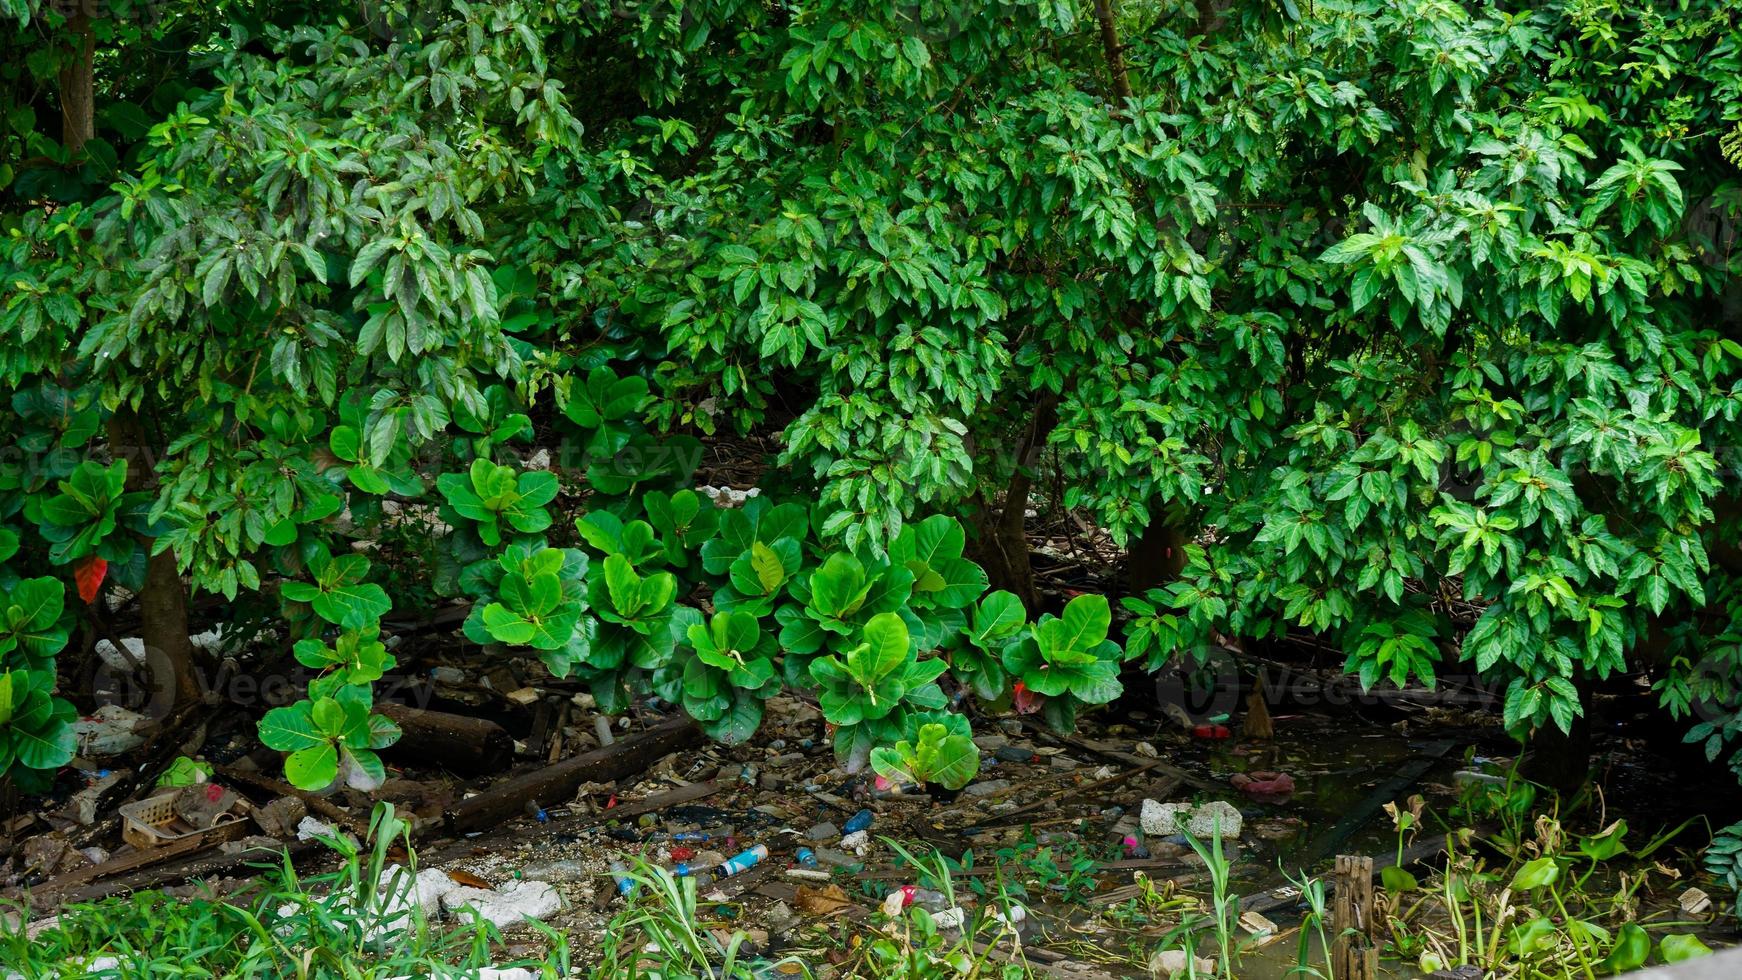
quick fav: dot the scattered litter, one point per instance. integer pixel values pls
(1169, 819)
(859, 823)
(112, 730)
(1695, 902)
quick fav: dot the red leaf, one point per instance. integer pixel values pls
(88, 574)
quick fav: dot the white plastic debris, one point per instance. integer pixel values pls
(1167, 819)
(310, 828)
(729, 496)
(427, 889)
(855, 840)
(81, 808)
(950, 918)
(112, 730)
(510, 904)
(115, 659)
(1169, 963)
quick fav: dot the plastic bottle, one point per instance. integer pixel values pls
(620, 873)
(742, 862)
(859, 821)
(805, 857)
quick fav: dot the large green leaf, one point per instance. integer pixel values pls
(290, 728)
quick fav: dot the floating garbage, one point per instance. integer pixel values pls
(1263, 785)
(1168, 819)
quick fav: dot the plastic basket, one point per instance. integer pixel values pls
(152, 822)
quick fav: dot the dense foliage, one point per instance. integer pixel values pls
(1411, 325)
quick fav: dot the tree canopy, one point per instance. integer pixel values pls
(1413, 326)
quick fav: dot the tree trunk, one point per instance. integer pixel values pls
(1157, 556)
(163, 601)
(77, 89)
(1003, 545)
(1111, 48)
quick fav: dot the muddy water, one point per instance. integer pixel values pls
(1337, 766)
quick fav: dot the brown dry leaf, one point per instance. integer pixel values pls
(826, 900)
(470, 880)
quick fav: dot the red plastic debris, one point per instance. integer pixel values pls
(682, 853)
(612, 802)
(1264, 785)
(88, 575)
(1025, 702)
(1210, 731)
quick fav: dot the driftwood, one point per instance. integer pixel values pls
(63, 887)
(554, 785)
(316, 804)
(1116, 754)
(1080, 793)
(197, 866)
(457, 743)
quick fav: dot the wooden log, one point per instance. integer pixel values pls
(316, 804)
(555, 785)
(458, 743)
(1355, 950)
(244, 863)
